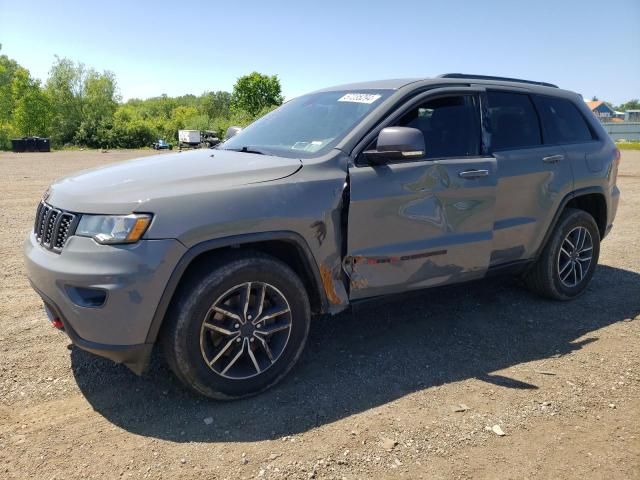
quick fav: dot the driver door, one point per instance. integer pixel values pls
(426, 222)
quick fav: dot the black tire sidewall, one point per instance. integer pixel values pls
(575, 218)
(189, 360)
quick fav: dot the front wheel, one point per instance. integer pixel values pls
(238, 329)
(567, 263)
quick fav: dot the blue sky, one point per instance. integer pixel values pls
(155, 47)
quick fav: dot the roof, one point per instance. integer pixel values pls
(597, 103)
(473, 76)
(448, 79)
(594, 104)
(391, 84)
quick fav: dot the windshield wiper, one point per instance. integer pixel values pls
(246, 149)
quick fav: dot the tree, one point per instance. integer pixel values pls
(81, 106)
(216, 104)
(238, 118)
(99, 103)
(255, 91)
(32, 110)
(130, 130)
(82, 102)
(8, 68)
(24, 108)
(630, 105)
(65, 89)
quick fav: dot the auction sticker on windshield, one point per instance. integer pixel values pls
(359, 98)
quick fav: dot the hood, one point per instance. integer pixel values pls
(128, 186)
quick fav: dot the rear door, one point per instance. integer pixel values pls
(533, 177)
(564, 125)
(426, 222)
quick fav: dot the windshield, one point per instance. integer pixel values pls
(309, 125)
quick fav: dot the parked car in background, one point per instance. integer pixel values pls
(162, 145)
(341, 196)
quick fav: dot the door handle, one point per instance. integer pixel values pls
(553, 158)
(473, 173)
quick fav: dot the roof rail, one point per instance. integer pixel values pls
(488, 77)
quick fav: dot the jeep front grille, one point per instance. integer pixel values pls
(53, 226)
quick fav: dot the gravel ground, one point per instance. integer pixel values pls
(476, 381)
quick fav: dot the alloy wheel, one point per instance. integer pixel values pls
(245, 330)
(574, 257)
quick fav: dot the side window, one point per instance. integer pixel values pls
(562, 122)
(514, 122)
(450, 125)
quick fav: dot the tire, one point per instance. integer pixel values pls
(200, 343)
(551, 276)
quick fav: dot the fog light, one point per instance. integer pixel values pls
(87, 297)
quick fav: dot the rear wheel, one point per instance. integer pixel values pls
(567, 263)
(238, 329)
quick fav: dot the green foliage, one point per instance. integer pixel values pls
(83, 103)
(235, 119)
(32, 108)
(630, 105)
(130, 130)
(7, 72)
(65, 89)
(216, 104)
(254, 92)
(99, 102)
(24, 108)
(80, 106)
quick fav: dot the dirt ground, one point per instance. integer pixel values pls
(412, 389)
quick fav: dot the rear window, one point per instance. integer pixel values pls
(562, 122)
(514, 122)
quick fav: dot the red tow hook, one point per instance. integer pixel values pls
(57, 323)
(53, 318)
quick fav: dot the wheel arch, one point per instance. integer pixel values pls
(288, 247)
(591, 200)
(594, 203)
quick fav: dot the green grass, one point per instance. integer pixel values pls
(628, 145)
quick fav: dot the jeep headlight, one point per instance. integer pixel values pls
(112, 229)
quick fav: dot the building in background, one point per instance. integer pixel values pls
(632, 116)
(601, 110)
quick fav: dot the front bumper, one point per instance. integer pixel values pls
(131, 278)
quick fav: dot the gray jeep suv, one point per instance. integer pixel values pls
(222, 256)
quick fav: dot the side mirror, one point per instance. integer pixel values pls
(397, 143)
(232, 131)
